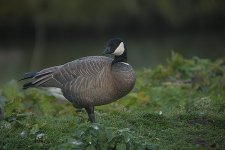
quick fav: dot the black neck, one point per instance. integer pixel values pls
(121, 58)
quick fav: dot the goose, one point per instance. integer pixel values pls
(89, 81)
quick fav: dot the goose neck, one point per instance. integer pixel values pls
(121, 58)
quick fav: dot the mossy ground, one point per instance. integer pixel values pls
(177, 106)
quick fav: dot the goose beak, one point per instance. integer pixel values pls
(107, 50)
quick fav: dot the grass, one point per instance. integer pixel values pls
(177, 106)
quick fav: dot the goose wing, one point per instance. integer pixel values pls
(87, 89)
(58, 76)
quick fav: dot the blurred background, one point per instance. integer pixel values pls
(41, 33)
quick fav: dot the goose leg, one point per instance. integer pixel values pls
(91, 114)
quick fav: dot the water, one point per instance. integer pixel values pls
(17, 56)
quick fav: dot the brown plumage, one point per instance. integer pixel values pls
(90, 81)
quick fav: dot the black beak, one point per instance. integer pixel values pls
(107, 50)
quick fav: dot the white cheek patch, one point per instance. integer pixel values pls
(119, 50)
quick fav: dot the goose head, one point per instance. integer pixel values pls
(116, 47)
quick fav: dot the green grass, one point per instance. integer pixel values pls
(177, 106)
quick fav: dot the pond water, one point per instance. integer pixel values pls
(20, 55)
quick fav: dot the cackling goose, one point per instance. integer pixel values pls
(89, 81)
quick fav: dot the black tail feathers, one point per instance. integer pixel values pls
(27, 85)
(38, 78)
(28, 75)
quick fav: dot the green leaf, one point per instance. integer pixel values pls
(121, 146)
(34, 129)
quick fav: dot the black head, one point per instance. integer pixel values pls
(115, 46)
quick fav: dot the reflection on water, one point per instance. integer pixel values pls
(16, 56)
